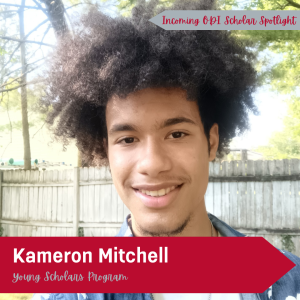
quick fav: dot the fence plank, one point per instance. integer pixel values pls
(217, 199)
(233, 189)
(242, 205)
(54, 197)
(250, 168)
(287, 210)
(91, 195)
(259, 204)
(277, 205)
(76, 203)
(267, 205)
(225, 202)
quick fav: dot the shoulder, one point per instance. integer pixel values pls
(290, 282)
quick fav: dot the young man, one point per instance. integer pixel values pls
(157, 106)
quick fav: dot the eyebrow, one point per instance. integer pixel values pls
(164, 124)
(174, 121)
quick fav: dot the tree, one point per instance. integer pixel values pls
(55, 12)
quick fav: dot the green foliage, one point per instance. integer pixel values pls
(287, 243)
(80, 232)
(1, 231)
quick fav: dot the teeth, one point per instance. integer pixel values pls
(154, 193)
(161, 192)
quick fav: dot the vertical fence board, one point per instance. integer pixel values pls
(91, 195)
(242, 205)
(287, 210)
(225, 202)
(76, 203)
(298, 206)
(64, 198)
(251, 208)
(268, 205)
(277, 203)
(259, 204)
(233, 189)
(217, 199)
(120, 207)
(107, 202)
(114, 204)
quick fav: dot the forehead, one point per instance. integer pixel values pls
(151, 105)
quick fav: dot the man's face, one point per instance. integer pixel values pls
(159, 160)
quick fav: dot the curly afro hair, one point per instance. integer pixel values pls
(117, 56)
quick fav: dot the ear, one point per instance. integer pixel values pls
(214, 141)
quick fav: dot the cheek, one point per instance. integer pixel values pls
(193, 157)
(120, 166)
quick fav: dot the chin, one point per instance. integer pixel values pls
(161, 226)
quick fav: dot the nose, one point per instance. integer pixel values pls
(154, 158)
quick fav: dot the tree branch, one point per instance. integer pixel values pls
(35, 28)
(46, 32)
(282, 7)
(25, 41)
(28, 65)
(18, 86)
(41, 7)
(56, 15)
(16, 5)
(15, 79)
(15, 70)
(10, 57)
(39, 129)
(292, 3)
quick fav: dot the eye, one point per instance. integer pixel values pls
(176, 135)
(128, 140)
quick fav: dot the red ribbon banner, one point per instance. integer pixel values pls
(139, 265)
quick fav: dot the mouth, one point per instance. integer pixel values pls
(158, 198)
(158, 193)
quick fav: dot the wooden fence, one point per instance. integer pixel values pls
(259, 198)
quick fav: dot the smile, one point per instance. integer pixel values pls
(158, 193)
(159, 198)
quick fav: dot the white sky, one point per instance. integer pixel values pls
(272, 110)
(270, 104)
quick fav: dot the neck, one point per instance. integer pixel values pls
(199, 225)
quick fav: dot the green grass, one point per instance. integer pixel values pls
(15, 296)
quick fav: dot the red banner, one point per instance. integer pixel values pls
(139, 265)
